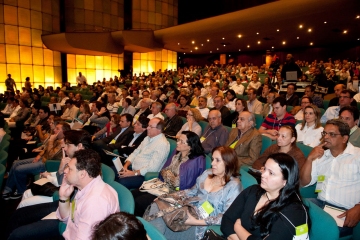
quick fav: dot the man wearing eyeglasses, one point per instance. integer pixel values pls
(345, 99)
(336, 171)
(350, 115)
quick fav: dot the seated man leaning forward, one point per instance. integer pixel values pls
(245, 139)
(338, 168)
(279, 118)
(215, 134)
(94, 200)
(150, 156)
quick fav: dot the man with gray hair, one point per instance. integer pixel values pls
(144, 109)
(173, 122)
(112, 106)
(245, 139)
(215, 134)
(155, 111)
(204, 110)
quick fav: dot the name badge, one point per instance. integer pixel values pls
(319, 184)
(301, 232)
(113, 141)
(205, 209)
(233, 125)
(233, 145)
(202, 139)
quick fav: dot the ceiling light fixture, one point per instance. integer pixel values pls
(309, 30)
(358, 39)
(190, 50)
(202, 44)
(297, 38)
(178, 43)
(259, 42)
(240, 49)
(257, 33)
(223, 38)
(248, 46)
(325, 22)
(224, 45)
(311, 43)
(278, 30)
(210, 51)
(193, 42)
(184, 53)
(272, 47)
(358, 16)
(283, 42)
(239, 36)
(196, 48)
(300, 26)
(229, 55)
(217, 48)
(345, 31)
(208, 40)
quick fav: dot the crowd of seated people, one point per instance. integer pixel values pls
(209, 113)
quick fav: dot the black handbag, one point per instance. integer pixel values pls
(212, 235)
(47, 189)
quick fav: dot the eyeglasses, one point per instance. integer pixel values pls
(344, 97)
(331, 134)
(149, 126)
(180, 141)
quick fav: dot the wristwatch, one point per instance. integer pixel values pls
(64, 201)
(136, 173)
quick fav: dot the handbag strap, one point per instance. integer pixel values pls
(162, 212)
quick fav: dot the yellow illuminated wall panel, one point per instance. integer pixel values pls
(22, 53)
(94, 68)
(154, 61)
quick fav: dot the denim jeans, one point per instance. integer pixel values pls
(19, 171)
(344, 231)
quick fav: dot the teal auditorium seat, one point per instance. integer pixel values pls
(246, 179)
(208, 160)
(258, 120)
(151, 230)
(4, 145)
(326, 103)
(126, 199)
(304, 148)
(203, 125)
(323, 226)
(266, 142)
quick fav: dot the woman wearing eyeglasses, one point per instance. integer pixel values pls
(271, 210)
(193, 116)
(285, 143)
(180, 170)
(309, 131)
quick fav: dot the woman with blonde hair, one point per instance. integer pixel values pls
(193, 116)
(309, 131)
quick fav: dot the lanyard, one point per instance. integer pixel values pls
(73, 210)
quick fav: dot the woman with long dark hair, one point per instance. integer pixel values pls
(240, 105)
(271, 210)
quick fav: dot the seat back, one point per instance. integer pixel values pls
(323, 226)
(266, 142)
(203, 125)
(4, 145)
(3, 157)
(126, 199)
(246, 179)
(308, 192)
(208, 160)
(108, 175)
(151, 230)
(258, 120)
(172, 146)
(304, 148)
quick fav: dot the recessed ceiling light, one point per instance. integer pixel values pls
(278, 30)
(196, 48)
(178, 43)
(283, 42)
(297, 38)
(325, 22)
(202, 44)
(248, 46)
(272, 47)
(257, 33)
(345, 31)
(300, 26)
(239, 36)
(309, 30)
(358, 39)
(358, 16)
(217, 48)
(208, 40)
(311, 43)
(210, 51)
(229, 55)
(259, 42)
(223, 38)
(193, 42)
(190, 50)
(224, 45)
(184, 53)
(240, 49)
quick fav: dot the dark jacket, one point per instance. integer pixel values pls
(104, 143)
(189, 170)
(129, 149)
(172, 125)
(145, 113)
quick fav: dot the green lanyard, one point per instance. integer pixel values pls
(73, 210)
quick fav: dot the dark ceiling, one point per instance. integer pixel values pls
(274, 25)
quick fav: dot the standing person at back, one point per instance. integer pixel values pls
(274, 121)
(10, 83)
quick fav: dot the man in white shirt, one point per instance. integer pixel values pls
(213, 93)
(238, 87)
(112, 106)
(338, 166)
(81, 79)
(71, 110)
(9, 107)
(203, 109)
(155, 111)
(62, 98)
(254, 105)
(350, 115)
(345, 99)
(16, 107)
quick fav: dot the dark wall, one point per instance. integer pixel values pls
(258, 58)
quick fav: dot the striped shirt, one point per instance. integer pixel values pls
(271, 122)
(341, 186)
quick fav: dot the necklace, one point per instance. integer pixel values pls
(268, 199)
